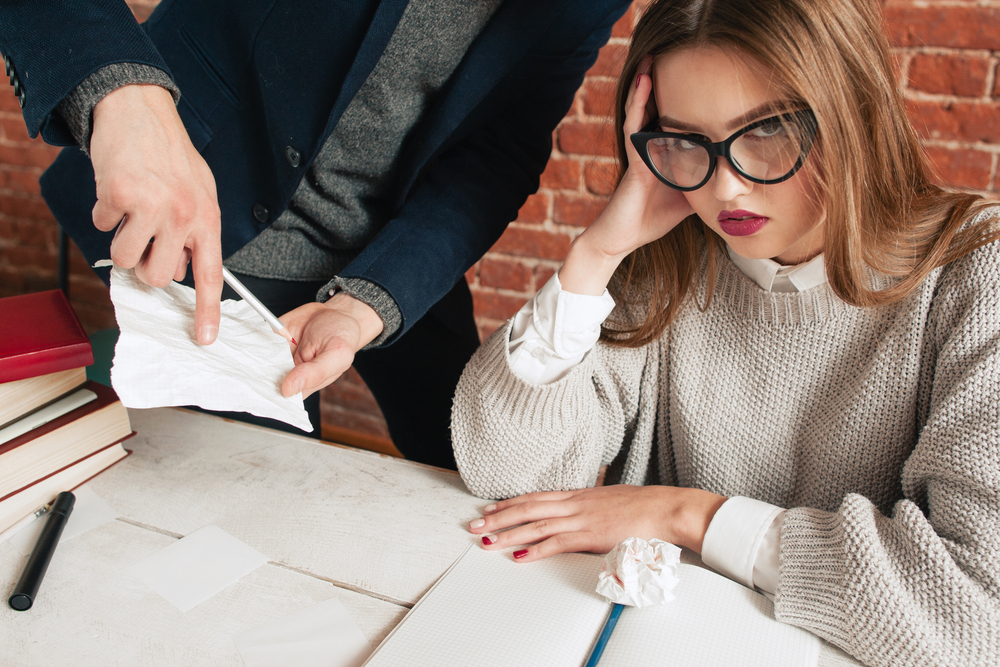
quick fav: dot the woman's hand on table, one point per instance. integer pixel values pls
(596, 519)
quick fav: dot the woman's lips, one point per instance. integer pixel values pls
(741, 223)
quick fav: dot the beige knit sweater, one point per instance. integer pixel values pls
(879, 429)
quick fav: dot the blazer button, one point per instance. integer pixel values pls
(20, 98)
(260, 212)
(6, 65)
(17, 87)
(294, 157)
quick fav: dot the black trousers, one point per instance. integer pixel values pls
(413, 379)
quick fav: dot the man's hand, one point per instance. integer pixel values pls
(153, 181)
(329, 335)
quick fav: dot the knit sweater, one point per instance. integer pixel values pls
(878, 428)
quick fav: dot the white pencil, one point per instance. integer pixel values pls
(248, 296)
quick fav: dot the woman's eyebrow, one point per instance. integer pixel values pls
(760, 111)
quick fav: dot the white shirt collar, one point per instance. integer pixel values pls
(773, 277)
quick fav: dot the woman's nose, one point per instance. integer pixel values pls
(727, 184)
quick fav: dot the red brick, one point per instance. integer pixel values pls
(373, 425)
(542, 275)
(496, 306)
(587, 139)
(14, 130)
(535, 209)
(964, 121)
(955, 26)
(527, 242)
(7, 100)
(486, 329)
(601, 177)
(561, 173)
(25, 207)
(351, 396)
(505, 274)
(470, 275)
(949, 75)
(599, 97)
(141, 9)
(961, 168)
(996, 81)
(19, 181)
(623, 26)
(33, 155)
(38, 235)
(610, 60)
(577, 210)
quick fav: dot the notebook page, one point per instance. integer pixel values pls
(714, 622)
(490, 611)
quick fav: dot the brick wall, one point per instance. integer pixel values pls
(947, 54)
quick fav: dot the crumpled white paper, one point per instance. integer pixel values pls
(158, 362)
(640, 573)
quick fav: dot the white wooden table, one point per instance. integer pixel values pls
(373, 531)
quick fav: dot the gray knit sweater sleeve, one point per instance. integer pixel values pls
(920, 586)
(511, 437)
(77, 108)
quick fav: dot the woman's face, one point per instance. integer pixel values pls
(713, 93)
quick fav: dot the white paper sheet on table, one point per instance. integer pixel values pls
(198, 566)
(321, 635)
(89, 511)
(159, 363)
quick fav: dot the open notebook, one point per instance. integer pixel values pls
(489, 611)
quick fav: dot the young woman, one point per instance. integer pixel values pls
(799, 373)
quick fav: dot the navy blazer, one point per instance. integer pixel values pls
(258, 76)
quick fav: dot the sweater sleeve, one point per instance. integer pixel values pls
(922, 586)
(513, 437)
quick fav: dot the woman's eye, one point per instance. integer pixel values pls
(767, 131)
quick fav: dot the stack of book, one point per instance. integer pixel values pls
(57, 429)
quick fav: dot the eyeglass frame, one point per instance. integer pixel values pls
(803, 118)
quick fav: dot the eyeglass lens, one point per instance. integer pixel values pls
(766, 152)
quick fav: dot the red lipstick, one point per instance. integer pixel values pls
(741, 223)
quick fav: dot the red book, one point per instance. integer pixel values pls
(40, 334)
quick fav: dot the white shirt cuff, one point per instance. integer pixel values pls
(743, 540)
(553, 332)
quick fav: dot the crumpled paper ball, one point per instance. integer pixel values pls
(640, 573)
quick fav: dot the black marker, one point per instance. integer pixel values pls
(38, 562)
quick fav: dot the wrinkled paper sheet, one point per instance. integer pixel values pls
(640, 573)
(158, 362)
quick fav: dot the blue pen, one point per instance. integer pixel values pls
(609, 626)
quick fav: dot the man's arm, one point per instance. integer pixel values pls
(151, 182)
(451, 219)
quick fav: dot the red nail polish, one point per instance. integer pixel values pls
(294, 342)
(637, 80)
(520, 553)
(487, 540)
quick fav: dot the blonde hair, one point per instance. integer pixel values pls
(882, 211)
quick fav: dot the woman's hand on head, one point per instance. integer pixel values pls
(641, 210)
(596, 519)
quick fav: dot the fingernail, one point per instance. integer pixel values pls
(477, 523)
(294, 342)
(520, 553)
(489, 539)
(297, 386)
(206, 335)
(489, 508)
(637, 80)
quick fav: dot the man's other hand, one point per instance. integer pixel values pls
(329, 335)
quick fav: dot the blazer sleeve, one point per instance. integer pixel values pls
(472, 191)
(51, 47)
